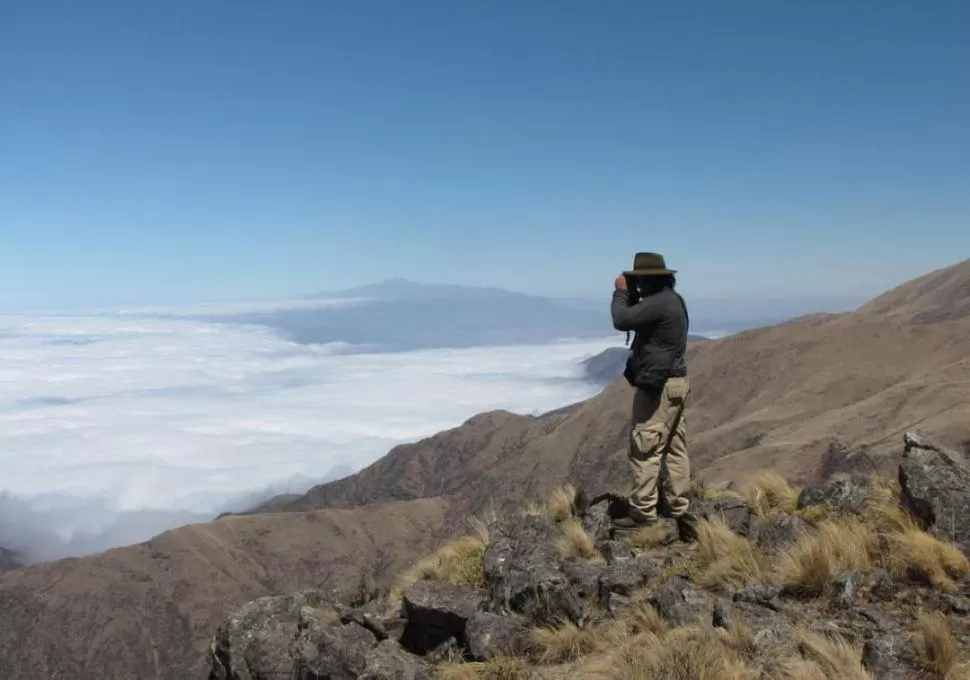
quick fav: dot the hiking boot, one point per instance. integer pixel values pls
(625, 525)
(687, 528)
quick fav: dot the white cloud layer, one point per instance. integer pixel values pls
(114, 427)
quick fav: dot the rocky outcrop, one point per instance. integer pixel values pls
(9, 560)
(530, 580)
(936, 487)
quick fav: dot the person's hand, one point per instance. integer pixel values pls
(620, 283)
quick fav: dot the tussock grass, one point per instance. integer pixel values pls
(563, 643)
(682, 654)
(726, 559)
(575, 542)
(499, 668)
(770, 493)
(810, 564)
(559, 507)
(461, 561)
(699, 490)
(935, 645)
(740, 639)
(833, 655)
(916, 554)
(643, 618)
(650, 537)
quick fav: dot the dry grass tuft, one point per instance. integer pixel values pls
(499, 668)
(563, 643)
(726, 559)
(650, 537)
(916, 554)
(935, 644)
(770, 493)
(699, 490)
(683, 654)
(643, 618)
(461, 561)
(560, 504)
(884, 511)
(575, 542)
(740, 639)
(834, 656)
(811, 563)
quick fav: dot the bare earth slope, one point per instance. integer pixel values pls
(148, 610)
(776, 397)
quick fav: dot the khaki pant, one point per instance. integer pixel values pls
(660, 435)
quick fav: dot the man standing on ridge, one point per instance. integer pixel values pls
(644, 301)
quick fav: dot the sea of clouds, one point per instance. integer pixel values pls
(115, 426)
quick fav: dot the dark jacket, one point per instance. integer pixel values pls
(661, 323)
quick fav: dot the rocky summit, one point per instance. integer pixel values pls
(856, 577)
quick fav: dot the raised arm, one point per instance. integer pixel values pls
(627, 317)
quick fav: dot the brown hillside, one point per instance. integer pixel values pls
(148, 610)
(779, 397)
(942, 295)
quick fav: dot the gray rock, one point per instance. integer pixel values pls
(845, 494)
(437, 612)
(614, 551)
(617, 604)
(337, 653)
(599, 513)
(850, 587)
(889, 657)
(9, 560)
(257, 639)
(768, 628)
(761, 593)
(390, 661)
(491, 635)
(365, 619)
(524, 573)
(936, 487)
(733, 512)
(583, 576)
(677, 601)
(957, 605)
(779, 531)
(623, 578)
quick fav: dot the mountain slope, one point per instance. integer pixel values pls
(779, 397)
(147, 611)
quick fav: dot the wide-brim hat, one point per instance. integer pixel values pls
(649, 264)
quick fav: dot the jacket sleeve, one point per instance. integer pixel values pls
(627, 317)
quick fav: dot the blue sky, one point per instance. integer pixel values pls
(182, 151)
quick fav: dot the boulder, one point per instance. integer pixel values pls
(256, 640)
(935, 486)
(768, 627)
(622, 578)
(851, 587)
(845, 494)
(584, 577)
(9, 560)
(524, 572)
(437, 612)
(613, 551)
(760, 593)
(778, 531)
(365, 619)
(890, 657)
(390, 661)
(337, 653)
(737, 514)
(599, 513)
(677, 601)
(491, 635)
